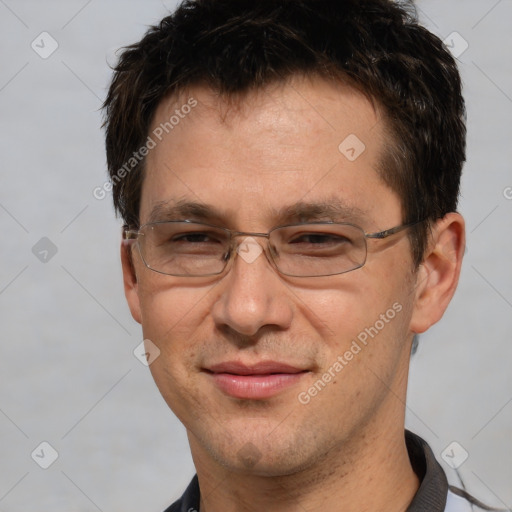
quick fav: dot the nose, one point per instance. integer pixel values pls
(252, 295)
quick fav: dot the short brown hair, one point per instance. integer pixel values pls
(235, 46)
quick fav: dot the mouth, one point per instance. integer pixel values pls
(254, 382)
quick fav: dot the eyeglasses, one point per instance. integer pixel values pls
(190, 249)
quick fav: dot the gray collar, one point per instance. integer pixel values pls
(431, 496)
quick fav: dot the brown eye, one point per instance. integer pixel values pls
(319, 239)
(194, 238)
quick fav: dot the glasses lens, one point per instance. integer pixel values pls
(309, 250)
(304, 250)
(184, 248)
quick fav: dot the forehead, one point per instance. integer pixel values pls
(252, 156)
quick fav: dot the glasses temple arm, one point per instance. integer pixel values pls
(391, 231)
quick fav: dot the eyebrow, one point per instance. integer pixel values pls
(325, 210)
(331, 210)
(181, 210)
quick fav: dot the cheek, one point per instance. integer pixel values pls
(365, 315)
(174, 318)
(346, 310)
(168, 307)
(364, 351)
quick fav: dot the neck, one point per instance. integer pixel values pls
(373, 473)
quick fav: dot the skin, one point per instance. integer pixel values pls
(248, 158)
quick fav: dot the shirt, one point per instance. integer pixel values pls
(433, 495)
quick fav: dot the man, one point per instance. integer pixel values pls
(288, 174)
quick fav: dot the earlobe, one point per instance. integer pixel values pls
(439, 273)
(131, 288)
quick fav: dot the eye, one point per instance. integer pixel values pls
(319, 239)
(195, 243)
(194, 238)
(318, 244)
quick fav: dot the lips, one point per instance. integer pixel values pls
(256, 381)
(261, 368)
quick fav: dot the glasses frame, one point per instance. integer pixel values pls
(133, 234)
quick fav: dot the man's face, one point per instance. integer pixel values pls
(345, 338)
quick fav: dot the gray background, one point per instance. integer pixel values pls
(68, 374)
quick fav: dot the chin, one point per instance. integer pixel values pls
(250, 449)
(249, 460)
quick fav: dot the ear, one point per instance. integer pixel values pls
(131, 287)
(438, 275)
